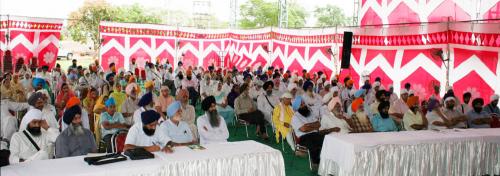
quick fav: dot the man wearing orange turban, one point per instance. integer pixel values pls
(413, 119)
(75, 101)
(360, 121)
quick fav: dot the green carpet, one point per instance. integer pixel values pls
(294, 165)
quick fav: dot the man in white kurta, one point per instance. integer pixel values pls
(175, 128)
(8, 119)
(22, 150)
(48, 110)
(147, 134)
(211, 126)
(206, 87)
(267, 101)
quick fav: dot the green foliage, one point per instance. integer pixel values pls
(83, 25)
(330, 15)
(262, 13)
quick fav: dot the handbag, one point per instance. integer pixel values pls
(139, 154)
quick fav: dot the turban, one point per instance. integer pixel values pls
(404, 91)
(292, 86)
(149, 84)
(267, 84)
(296, 103)
(306, 85)
(73, 101)
(70, 113)
(359, 93)
(350, 82)
(130, 88)
(333, 102)
(164, 88)
(366, 86)
(494, 97)
(189, 72)
(109, 76)
(207, 102)
(37, 81)
(32, 114)
(433, 103)
(110, 102)
(450, 98)
(145, 99)
(259, 83)
(173, 108)
(355, 104)
(285, 76)
(34, 98)
(412, 101)
(287, 95)
(149, 116)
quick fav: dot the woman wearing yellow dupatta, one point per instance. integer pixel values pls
(119, 95)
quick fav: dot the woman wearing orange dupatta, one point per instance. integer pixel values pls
(63, 97)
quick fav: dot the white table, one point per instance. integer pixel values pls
(233, 158)
(448, 152)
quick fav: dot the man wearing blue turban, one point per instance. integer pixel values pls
(111, 122)
(176, 129)
(147, 134)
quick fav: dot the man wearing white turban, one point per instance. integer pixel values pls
(30, 142)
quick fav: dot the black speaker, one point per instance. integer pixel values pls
(346, 50)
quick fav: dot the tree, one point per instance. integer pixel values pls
(84, 23)
(262, 13)
(330, 15)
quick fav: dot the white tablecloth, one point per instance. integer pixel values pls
(234, 158)
(448, 152)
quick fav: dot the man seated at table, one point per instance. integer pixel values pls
(478, 117)
(334, 120)
(211, 126)
(360, 122)
(492, 108)
(282, 116)
(382, 121)
(74, 140)
(398, 107)
(437, 119)
(31, 143)
(306, 127)
(111, 122)
(413, 119)
(246, 110)
(453, 113)
(145, 135)
(178, 130)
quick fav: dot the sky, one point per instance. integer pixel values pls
(62, 8)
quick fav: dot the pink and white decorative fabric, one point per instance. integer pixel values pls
(30, 37)
(397, 54)
(375, 12)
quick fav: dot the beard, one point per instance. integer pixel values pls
(213, 118)
(304, 111)
(147, 131)
(414, 109)
(450, 107)
(269, 93)
(384, 115)
(478, 109)
(76, 129)
(35, 131)
(188, 78)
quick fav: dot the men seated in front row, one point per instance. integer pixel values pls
(146, 134)
(306, 126)
(211, 126)
(334, 119)
(30, 142)
(382, 121)
(413, 119)
(178, 130)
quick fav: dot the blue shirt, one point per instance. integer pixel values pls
(381, 125)
(473, 115)
(116, 118)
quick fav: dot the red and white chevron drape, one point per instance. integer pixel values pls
(30, 37)
(396, 54)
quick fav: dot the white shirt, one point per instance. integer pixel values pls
(298, 121)
(312, 101)
(180, 133)
(137, 137)
(264, 106)
(21, 147)
(434, 117)
(8, 121)
(49, 114)
(227, 88)
(330, 121)
(211, 134)
(207, 89)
